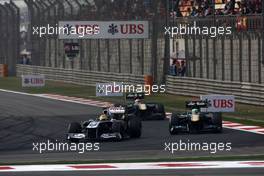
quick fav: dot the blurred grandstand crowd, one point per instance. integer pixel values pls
(121, 9)
(145, 9)
(202, 8)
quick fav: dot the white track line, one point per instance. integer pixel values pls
(134, 166)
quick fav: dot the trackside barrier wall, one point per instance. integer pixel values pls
(80, 77)
(244, 92)
(248, 93)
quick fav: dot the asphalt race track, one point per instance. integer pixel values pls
(27, 119)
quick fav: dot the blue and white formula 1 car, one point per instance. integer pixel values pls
(114, 124)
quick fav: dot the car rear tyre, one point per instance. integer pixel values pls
(160, 109)
(194, 128)
(174, 121)
(134, 127)
(116, 127)
(217, 121)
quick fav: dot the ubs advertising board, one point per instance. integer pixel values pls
(103, 29)
(219, 103)
(33, 80)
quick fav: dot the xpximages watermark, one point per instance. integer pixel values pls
(49, 146)
(186, 29)
(80, 30)
(211, 147)
(108, 89)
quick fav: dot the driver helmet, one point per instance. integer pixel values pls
(195, 111)
(137, 100)
(105, 111)
(103, 117)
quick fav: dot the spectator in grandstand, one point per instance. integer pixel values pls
(243, 8)
(195, 12)
(258, 9)
(173, 68)
(178, 67)
(219, 12)
(25, 60)
(182, 70)
(229, 7)
(254, 6)
(258, 6)
(208, 11)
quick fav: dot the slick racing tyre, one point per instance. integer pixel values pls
(74, 127)
(174, 121)
(160, 108)
(117, 128)
(217, 121)
(134, 127)
(194, 128)
(161, 111)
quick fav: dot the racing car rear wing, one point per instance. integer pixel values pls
(197, 104)
(117, 110)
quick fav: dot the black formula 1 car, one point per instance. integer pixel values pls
(116, 124)
(146, 111)
(195, 121)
